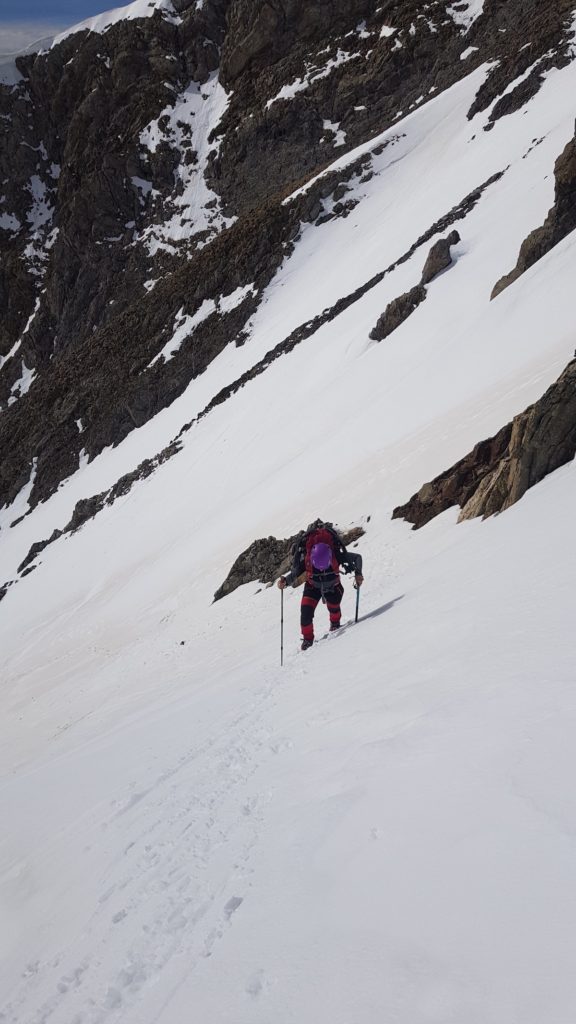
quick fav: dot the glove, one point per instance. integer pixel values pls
(359, 580)
(281, 583)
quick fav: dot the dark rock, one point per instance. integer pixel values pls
(499, 471)
(36, 549)
(455, 485)
(313, 210)
(439, 257)
(262, 34)
(519, 97)
(532, 35)
(542, 439)
(84, 510)
(258, 562)
(397, 312)
(559, 223)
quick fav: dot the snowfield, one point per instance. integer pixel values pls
(383, 829)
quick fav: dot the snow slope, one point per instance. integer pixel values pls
(382, 829)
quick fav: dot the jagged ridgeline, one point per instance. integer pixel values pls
(145, 163)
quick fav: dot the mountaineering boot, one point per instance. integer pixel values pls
(306, 644)
(334, 626)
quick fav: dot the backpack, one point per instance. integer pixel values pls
(321, 533)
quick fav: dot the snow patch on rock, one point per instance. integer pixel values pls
(313, 74)
(338, 133)
(188, 126)
(465, 14)
(23, 385)
(9, 222)
(185, 325)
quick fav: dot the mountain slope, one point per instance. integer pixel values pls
(382, 828)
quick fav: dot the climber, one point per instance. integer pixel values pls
(319, 553)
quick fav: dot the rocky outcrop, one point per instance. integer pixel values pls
(456, 485)
(541, 440)
(261, 35)
(499, 471)
(397, 312)
(561, 219)
(276, 58)
(264, 560)
(439, 257)
(527, 41)
(37, 549)
(267, 559)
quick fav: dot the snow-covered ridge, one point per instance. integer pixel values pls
(139, 9)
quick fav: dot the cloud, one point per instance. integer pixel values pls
(16, 36)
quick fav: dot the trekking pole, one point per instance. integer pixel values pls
(357, 602)
(281, 627)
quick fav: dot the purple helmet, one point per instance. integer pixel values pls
(321, 556)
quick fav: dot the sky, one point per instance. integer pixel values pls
(26, 21)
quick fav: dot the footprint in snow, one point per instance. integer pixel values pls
(256, 984)
(232, 906)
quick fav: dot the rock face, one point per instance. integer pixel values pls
(456, 485)
(263, 560)
(499, 471)
(261, 35)
(267, 559)
(439, 257)
(144, 169)
(397, 312)
(541, 440)
(561, 219)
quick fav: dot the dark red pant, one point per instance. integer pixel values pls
(310, 599)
